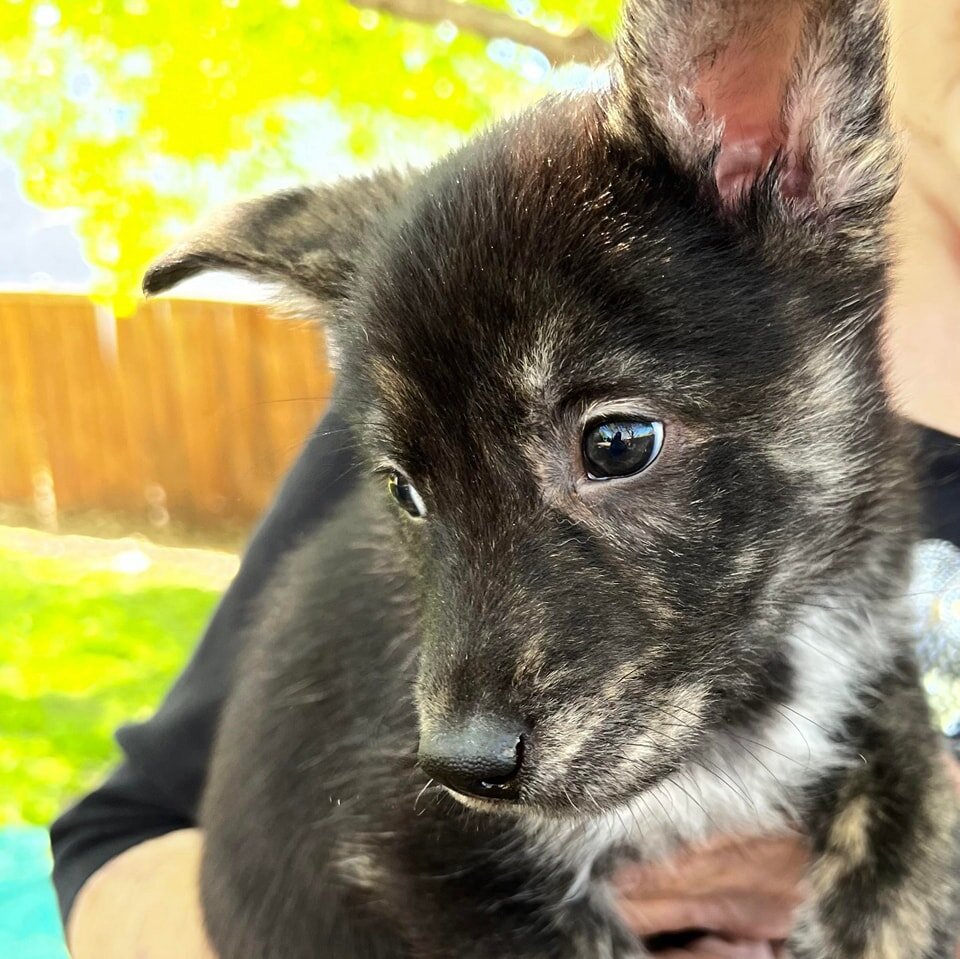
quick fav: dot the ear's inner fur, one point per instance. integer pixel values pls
(740, 89)
(792, 93)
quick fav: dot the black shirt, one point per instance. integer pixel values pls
(156, 788)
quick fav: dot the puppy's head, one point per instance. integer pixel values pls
(617, 364)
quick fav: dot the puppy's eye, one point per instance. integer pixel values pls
(405, 493)
(615, 448)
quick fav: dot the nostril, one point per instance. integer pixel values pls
(502, 781)
(482, 757)
(512, 761)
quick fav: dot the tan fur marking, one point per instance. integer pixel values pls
(681, 714)
(531, 660)
(901, 934)
(391, 385)
(570, 730)
(848, 835)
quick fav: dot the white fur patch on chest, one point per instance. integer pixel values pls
(745, 784)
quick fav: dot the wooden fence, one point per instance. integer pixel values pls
(190, 410)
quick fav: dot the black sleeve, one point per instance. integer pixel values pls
(940, 485)
(157, 786)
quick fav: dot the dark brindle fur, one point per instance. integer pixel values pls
(718, 643)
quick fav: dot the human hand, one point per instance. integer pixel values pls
(144, 903)
(744, 892)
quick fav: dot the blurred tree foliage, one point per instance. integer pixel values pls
(142, 114)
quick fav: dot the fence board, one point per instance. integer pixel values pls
(188, 407)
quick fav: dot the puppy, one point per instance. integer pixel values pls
(628, 564)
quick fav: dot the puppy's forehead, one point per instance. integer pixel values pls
(541, 262)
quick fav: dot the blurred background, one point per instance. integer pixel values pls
(139, 442)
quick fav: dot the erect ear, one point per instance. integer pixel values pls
(307, 238)
(785, 95)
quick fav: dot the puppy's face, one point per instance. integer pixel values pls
(616, 365)
(623, 443)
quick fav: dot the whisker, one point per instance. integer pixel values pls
(420, 795)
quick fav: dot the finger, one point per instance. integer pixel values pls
(719, 866)
(752, 917)
(652, 917)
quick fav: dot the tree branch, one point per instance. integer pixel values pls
(582, 45)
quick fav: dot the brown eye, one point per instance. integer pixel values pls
(405, 493)
(614, 448)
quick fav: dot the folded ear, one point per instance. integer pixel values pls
(308, 238)
(788, 96)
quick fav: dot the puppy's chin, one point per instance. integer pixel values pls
(495, 806)
(518, 809)
(537, 805)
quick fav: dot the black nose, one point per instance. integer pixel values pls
(482, 757)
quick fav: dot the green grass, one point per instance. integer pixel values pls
(85, 647)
